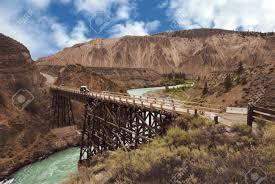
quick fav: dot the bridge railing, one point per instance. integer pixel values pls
(150, 102)
(187, 104)
(259, 113)
(174, 104)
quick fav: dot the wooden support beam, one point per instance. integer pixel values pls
(250, 115)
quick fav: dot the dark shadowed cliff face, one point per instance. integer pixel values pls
(193, 51)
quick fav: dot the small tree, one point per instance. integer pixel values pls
(227, 83)
(205, 89)
(240, 68)
(166, 88)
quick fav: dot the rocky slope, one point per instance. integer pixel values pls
(25, 135)
(25, 105)
(76, 75)
(253, 85)
(104, 78)
(195, 52)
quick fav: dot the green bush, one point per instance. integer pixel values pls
(183, 122)
(187, 122)
(240, 68)
(269, 134)
(199, 122)
(139, 164)
(176, 137)
(243, 129)
(205, 89)
(227, 83)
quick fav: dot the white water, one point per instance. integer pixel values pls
(58, 167)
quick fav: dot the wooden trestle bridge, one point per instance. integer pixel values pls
(115, 120)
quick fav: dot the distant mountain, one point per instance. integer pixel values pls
(194, 52)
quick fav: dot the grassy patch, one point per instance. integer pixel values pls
(243, 129)
(179, 91)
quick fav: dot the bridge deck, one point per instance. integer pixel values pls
(165, 105)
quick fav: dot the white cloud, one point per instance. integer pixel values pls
(40, 34)
(119, 9)
(22, 26)
(39, 3)
(65, 1)
(42, 4)
(227, 14)
(64, 39)
(152, 26)
(78, 33)
(133, 28)
(163, 4)
(123, 12)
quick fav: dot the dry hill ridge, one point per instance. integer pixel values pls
(195, 52)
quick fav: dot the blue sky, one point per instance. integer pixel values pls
(47, 26)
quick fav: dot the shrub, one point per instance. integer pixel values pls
(205, 89)
(183, 122)
(241, 80)
(227, 83)
(240, 68)
(166, 88)
(187, 122)
(223, 163)
(175, 137)
(269, 134)
(199, 122)
(243, 129)
(140, 164)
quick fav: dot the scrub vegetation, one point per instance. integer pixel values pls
(194, 150)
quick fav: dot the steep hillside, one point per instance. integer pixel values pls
(25, 135)
(105, 78)
(76, 75)
(252, 85)
(195, 52)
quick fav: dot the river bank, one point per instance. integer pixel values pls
(57, 141)
(59, 165)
